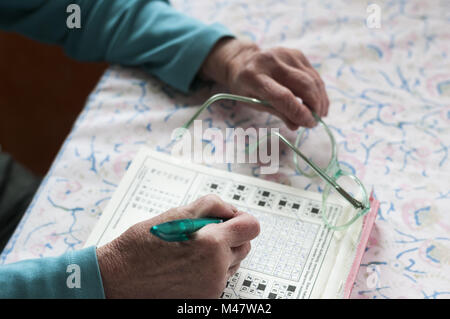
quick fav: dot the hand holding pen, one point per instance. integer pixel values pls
(140, 265)
(181, 229)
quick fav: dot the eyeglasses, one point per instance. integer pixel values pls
(355, 192)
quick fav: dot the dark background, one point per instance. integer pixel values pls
(42, 91)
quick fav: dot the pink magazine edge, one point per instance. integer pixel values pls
(368, 223)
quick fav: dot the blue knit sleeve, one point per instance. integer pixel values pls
(146, 33)
(74, 274)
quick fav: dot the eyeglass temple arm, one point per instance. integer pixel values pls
(223, 96)
(355, 203)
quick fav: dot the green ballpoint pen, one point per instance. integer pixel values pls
(180, 229)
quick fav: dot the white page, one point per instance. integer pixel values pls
(294, 256)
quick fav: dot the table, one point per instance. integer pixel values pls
(389, 89)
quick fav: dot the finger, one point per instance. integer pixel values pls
(239, 253)
(324, 95)
(303, 85)
(292, 57)
(291, 125)
(327, 101)
(232, 270)
(320, 88)
(211, 206)
(302, 58)
(282, 99)
(298, 60)
(205, 206)
(238, 230)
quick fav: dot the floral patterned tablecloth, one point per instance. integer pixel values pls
(389, 89)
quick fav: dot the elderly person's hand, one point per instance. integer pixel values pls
(139, 265)
(277, 75)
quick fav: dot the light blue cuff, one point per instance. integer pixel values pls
(75, 274)
(183, 70)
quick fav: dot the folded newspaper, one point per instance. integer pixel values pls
(295, 255)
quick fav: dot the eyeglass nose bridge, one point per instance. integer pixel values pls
(334, 170)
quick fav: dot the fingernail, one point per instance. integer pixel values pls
(299, 100)
(233, 208)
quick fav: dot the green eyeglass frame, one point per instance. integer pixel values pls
(329, 175)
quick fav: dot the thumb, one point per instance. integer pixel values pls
(235, 231)
(211, 206)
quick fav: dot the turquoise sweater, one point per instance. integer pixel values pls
(145, 33)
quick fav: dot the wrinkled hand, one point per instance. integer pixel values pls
(140, 265)
(277, 75)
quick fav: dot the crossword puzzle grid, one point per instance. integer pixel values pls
(154, 195)
(280, 251)
(283, 246)
(256, 286)
(284, 243)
